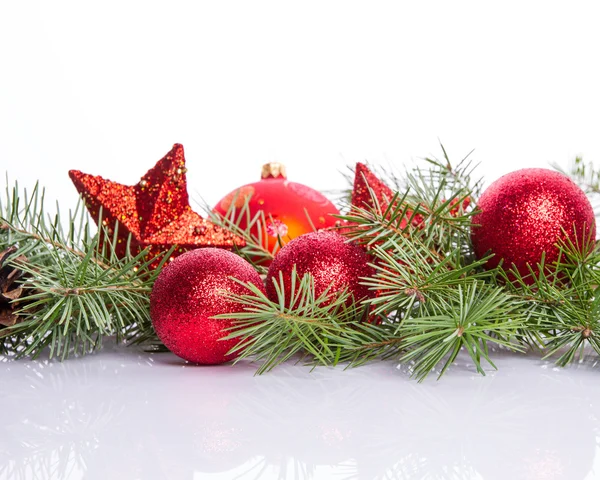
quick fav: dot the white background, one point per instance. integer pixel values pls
(108, 87)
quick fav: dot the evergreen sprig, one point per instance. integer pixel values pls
(561, 304)
(272, 332)
(468, 317)
(587, 176)
(76, 290)
(252, 227)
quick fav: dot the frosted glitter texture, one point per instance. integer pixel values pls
(365, 179)
(334, 264)
(365, 182)
(188, 292)
(155, 211)
(523, 214)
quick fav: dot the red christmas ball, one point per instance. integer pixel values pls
(334, 264)
(188, 292)
(291, 209)
(525, 213)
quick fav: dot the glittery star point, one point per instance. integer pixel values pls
(364, 179)
(155, 212)
(368, 186)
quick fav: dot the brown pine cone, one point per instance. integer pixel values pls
(10, 288)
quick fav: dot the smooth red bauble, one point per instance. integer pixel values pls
(291, 209)
(525, 213)
(335, 265)
(188, 292)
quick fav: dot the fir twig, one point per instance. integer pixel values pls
(254, 232)
(561, 301)
(272, 332)
(468, 317)
(77, 291)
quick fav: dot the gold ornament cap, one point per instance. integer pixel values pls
(273, 170)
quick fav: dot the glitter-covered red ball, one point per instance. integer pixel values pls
(188, 292)
(525, 213)
(291, 209)
(335, 265)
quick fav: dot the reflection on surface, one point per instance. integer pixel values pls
(126, 415)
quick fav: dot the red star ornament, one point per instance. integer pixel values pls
(364, 179)
(361, 196)
(155, 212)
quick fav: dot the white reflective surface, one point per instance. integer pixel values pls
(126, 414)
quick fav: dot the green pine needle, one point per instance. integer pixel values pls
(76, 290)
(271, 332)
(469, 317)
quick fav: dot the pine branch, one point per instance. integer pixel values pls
(408, 274)
(562, 303)
(365, 342)
(456, 178)
(439, 301)
(254, 233)
(271, 332)
(434, 208)
(76, 289)
(446, 193)
(468, 317)
(584, 174)
(325, 333)
(587, 176)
